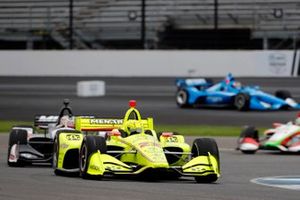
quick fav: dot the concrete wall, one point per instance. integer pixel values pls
(147, 63)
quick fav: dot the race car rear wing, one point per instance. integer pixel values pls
(101, 124)
(192, 82)
(45, 120)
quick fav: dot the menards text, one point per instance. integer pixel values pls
(106, 121)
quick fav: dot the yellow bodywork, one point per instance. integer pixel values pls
(67, 141)
(202, 166)
(101, 163)
(139, 151)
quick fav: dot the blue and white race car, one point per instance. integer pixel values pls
(230, 93)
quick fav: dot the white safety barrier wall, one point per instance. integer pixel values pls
(148, 63)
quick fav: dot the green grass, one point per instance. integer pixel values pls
(5, 126)
(192, 130)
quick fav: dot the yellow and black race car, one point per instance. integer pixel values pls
(130, 146)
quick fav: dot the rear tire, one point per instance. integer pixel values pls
(182, 98)
(90, 145)
(19, 137)
(242, 101)
(283, 94)
(201, 147)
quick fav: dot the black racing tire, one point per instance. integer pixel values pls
(182, 98)
(101, 144)
(90, 145)
(249, 131)
(283, 94)
(242, 101)
(201, 147)
(16, 136)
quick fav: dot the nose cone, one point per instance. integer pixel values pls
(153, 154)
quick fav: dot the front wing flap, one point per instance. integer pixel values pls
(100, 164)
(201, 166)
(104, 163)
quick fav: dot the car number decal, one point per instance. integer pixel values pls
(73, 137)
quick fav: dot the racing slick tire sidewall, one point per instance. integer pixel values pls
(16, 136)
(182, 98)
(201, 147)
(242, 101)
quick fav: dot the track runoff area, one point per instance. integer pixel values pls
(20, 100)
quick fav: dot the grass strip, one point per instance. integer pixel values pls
(5, 126)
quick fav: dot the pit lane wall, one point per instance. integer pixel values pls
(149, 63)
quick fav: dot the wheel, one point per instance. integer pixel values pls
(17, 136)
(182, 98)
(249, 132)
(283, 94)
(90, 145)
(242, 101)
(201, 147)
(100, 144)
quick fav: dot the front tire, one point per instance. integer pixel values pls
(182, 98)
(201, 147)
(16, 137)
(242, 101)
(55, 158)
(90, 145)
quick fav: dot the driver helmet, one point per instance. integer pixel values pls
(134, 127)
(66, 122)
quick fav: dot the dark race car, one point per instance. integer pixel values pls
(34, 144)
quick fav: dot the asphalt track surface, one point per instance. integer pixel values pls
(21, 98)
(35, 183)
